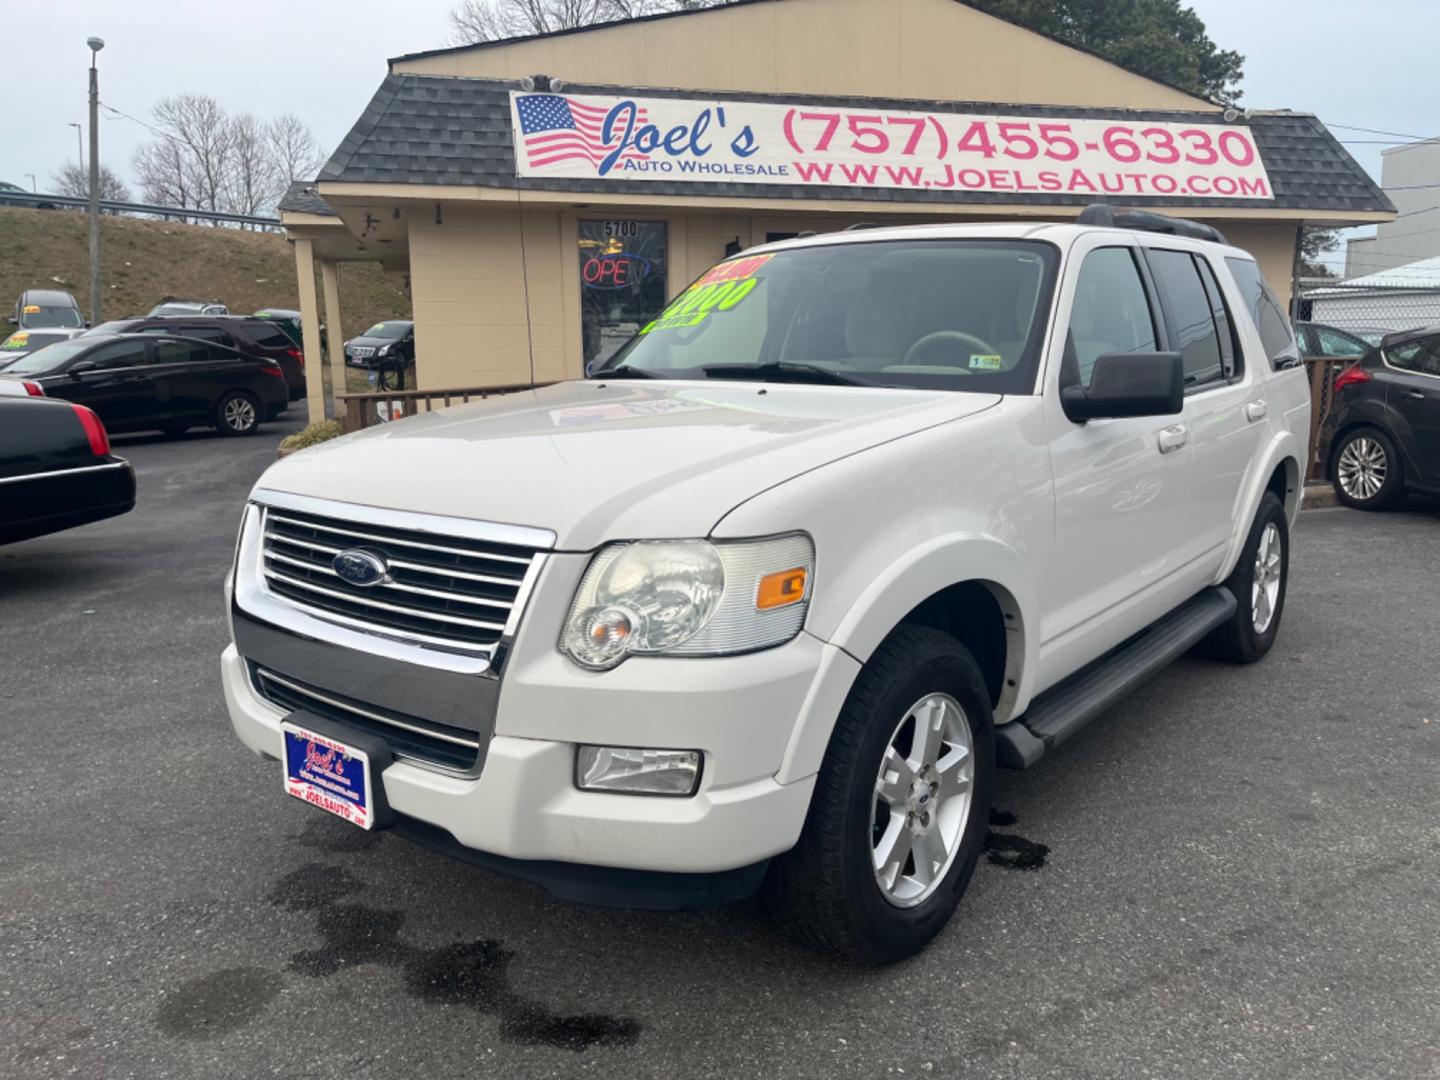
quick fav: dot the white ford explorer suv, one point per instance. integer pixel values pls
(766, 600)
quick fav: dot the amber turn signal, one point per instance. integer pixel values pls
(781, 589)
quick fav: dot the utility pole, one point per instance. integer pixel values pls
(96, 44)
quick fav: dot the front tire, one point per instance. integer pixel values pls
(1258, 582)
(237, 413)
(898, 817)
(1367, 471)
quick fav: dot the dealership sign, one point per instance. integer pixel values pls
(590, 137)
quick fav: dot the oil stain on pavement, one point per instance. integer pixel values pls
(218, 1004)
(473, 974)
(1011, 851)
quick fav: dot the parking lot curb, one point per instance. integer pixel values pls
(1317, 496)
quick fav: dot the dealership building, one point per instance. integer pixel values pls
(547, 195)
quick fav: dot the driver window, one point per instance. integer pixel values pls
(122, 354)
(1110, 313)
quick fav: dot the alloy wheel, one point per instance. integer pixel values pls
(1362, 468)
(239, 414)
(1265, 581)
(922, 800)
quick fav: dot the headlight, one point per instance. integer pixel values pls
(383, 350)
(689, 598)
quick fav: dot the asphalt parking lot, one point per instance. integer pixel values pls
(1232, 875)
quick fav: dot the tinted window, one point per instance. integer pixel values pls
(1421, 357)
(122, 354)
(1224, 325)
(1111, 313)
(1195, 333)
(206, 333)
(1265, 309)
(180, 352)
(268, 337)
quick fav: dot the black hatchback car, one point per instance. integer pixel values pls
(138, 382)
(1383, 428)
(252, 336)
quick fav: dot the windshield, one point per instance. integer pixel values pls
(387, 330)
(49, 358)
(940, 314)
(48, 315)
(29, 341)
(176, 309)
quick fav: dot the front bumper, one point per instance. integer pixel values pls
(524, 804)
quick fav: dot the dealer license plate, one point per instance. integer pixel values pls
(328, 774)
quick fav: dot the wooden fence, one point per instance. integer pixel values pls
(370, 407)
(1323, 370)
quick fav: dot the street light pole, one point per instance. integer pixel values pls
(96, 44)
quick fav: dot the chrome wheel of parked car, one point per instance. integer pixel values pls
(1362, 468)
(922, 799)
(1265, 581)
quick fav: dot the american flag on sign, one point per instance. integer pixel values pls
(562, 129)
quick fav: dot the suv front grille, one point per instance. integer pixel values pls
(407, 736)
(450, 592)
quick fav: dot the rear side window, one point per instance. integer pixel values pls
(180, 352)
(1265, 309)
(268, 337)
(1332, 342)
(1110, 314)
(1196, 334)
(1421, 357)
(206, 333)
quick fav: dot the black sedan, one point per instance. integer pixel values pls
(387, 347)
(56, 469)
(138, 382)
(1383, 428)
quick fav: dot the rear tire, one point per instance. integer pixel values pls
(237, 413)
(872, 806)
(1367, 471)
(1258, 582)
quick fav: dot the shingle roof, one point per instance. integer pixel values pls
(302, 198)
(430, 129)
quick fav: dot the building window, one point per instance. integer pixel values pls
(622, 282)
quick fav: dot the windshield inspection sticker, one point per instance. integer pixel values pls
(986, 362)
(720, 289)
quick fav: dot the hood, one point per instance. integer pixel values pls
(365, 339)
(593, 461)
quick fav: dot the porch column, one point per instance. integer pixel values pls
(330, 283)
(310, 331)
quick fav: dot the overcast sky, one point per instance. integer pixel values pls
(1367, 65)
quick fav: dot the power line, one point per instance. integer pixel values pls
(1377, 131)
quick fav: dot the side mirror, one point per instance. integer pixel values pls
(12, 320)
(1128, 384)
(81, 366)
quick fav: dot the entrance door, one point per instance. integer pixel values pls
(623, 266)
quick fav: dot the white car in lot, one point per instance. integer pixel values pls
(767, 600)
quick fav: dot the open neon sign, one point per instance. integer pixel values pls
(618, 271)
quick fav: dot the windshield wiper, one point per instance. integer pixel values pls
(785, 371)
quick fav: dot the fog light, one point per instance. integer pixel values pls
(637, 771)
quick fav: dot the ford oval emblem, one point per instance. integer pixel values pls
(360, 567)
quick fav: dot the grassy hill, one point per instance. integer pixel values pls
(143, 260)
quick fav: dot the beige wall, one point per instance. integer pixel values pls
(923, 49)
(469, 283)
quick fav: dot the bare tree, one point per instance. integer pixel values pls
(251, 180)
(161, 168)
(73, 180)
(293, 149)
(199, 125)
(473, 21)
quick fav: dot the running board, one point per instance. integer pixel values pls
(1060, 712)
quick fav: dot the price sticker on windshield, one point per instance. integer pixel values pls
(721, 288)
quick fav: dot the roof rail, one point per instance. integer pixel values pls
(861, 225)
(1106, 216)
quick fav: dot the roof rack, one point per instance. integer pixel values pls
(1106, 216)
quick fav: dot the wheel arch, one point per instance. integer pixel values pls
(1281, 473)
(985, 609)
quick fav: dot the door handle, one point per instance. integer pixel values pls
(1256, 410)
(1415, 395)
(1173, 438)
